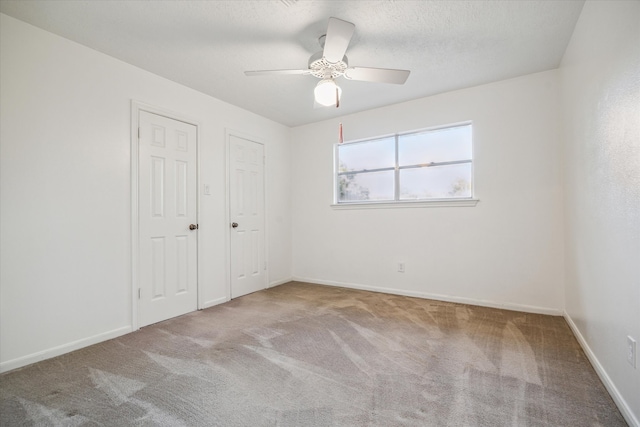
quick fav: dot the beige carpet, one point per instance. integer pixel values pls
(308, 355)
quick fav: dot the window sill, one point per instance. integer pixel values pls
(436, 203)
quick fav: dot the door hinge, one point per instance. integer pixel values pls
(138, 133)
(139, 293)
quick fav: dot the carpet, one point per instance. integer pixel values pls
(308, 355)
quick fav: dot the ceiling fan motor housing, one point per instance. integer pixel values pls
(323, 69)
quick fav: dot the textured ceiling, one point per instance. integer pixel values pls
(207, 45)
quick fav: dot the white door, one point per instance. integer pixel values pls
(167, 218)
(246, 212)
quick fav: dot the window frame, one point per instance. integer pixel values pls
(397, 202)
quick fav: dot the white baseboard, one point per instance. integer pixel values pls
(604, 377)
(438, 297)
(213, 302)
(62, 349)
(224, 299)
(280, 282)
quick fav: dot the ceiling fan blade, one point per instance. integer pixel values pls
(275, 72)
(377, 75)
(339, 34)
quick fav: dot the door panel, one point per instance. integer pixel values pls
(246, 209)
(167, 206)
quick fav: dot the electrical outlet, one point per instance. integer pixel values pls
(631, 351)
(401, 267)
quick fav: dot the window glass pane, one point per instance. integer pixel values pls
(369, 155)
(442, 145)
(355, 187)
(437, 182)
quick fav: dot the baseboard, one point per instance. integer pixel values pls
(438, 297)
(280, 282)
(213, 302)
(62, 349)
(628, 415)
(224, 299)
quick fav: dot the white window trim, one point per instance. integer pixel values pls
(432, 203)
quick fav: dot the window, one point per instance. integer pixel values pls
(427, 165)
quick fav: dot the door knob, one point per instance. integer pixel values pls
(234, 224)
(193, 227)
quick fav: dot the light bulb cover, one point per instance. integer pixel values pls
(325, 92)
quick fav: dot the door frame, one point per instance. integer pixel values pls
(228, 133)
(136, 108)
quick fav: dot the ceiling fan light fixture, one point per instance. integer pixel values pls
(325, 92)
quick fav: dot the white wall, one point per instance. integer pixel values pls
(507, 251)
(65, 185)
(600, 77)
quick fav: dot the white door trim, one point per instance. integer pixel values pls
(227, 136)
(136, 107)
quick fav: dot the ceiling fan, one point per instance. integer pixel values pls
(331, 63)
